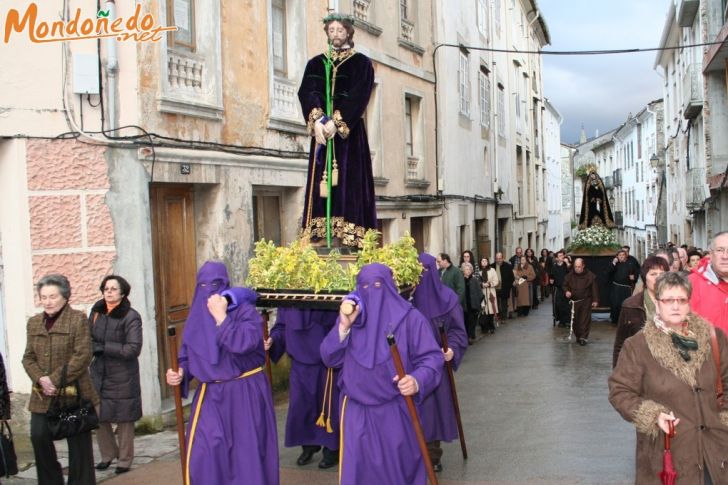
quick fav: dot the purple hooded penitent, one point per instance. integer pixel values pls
(379, 443)
(440, 305)
(313, 396)
(231, 436)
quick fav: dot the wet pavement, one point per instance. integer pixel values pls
(534, 408)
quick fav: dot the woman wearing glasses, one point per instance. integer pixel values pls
(667, 373)
(116, 332)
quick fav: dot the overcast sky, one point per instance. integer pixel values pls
(600, 91)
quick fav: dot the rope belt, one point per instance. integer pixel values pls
(624, 286)
(322, 421)
(573, 312)
(241, 376)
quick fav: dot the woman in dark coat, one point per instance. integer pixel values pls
(533, 261)
(667, 373)
(116, 331)
(640, 307)
(473, 298)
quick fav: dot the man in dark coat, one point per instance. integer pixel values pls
(339, 125)
(451, 276)
(633, 264)
(580, 287)
(623, 278)
(559, 269)
(313, 404)
(503, 291)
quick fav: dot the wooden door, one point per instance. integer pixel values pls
(173, 241)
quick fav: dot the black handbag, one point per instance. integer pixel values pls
(70, 417)
(8, 459)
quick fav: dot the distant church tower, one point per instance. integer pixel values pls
(582, 136)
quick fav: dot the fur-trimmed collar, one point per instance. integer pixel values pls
(662, 349)
(118, 312)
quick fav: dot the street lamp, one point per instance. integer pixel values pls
(654, 160)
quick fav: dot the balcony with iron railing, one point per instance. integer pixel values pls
(692, 91)
(696, 188)
(608, 182)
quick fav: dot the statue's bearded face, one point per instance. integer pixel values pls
(338, 36)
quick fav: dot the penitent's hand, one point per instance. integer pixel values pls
(346, 321)
(217, 306)
(175, 378)
(449, 355)
(267, 344)
(407, 385)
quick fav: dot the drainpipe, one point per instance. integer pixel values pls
(112, 67)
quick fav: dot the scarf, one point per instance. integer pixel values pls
(683, 343)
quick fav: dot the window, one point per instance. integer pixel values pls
(501, 110)
(279, 37)
(497, 15)
(525, 100)
(267, 216)
(517, 98)
(484, 94)
(182, 12)
(408, 126)
(483, 17)
(403, 9)
(464, 83)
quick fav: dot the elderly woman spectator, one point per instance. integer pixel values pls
(489, 282)
(58, 338)
(524, 275)
(640, 307)
(667, 373)
(473, 297)
(116, 332)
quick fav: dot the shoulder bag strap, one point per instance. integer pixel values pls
(716, 358)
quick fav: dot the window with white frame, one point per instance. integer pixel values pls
(183, 13)
(525, 101)
(517, 97)
(497, 16)
(415, 165)
(483, 20)
(408, 126)
(501, 110)
(464, 83)
(403, 9)
(278, 34)
(484, 94)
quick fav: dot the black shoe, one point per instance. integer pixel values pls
(307, 455)
(103, 465)
(582, 341)
(328, 461)
(470, 341)
(121, 469)
(437, 467)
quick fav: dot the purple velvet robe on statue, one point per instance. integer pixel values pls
(379, 445)
(440, 305)
(353, 206)
(300, 333)
(231, 435)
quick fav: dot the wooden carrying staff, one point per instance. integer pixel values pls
(412, 411)
(268, 370)
(453, 393)
(172, 332)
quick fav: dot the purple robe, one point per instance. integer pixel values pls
(300, 333)
(379, 445)
(440, 305)
(353, 206)
(231, 435)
